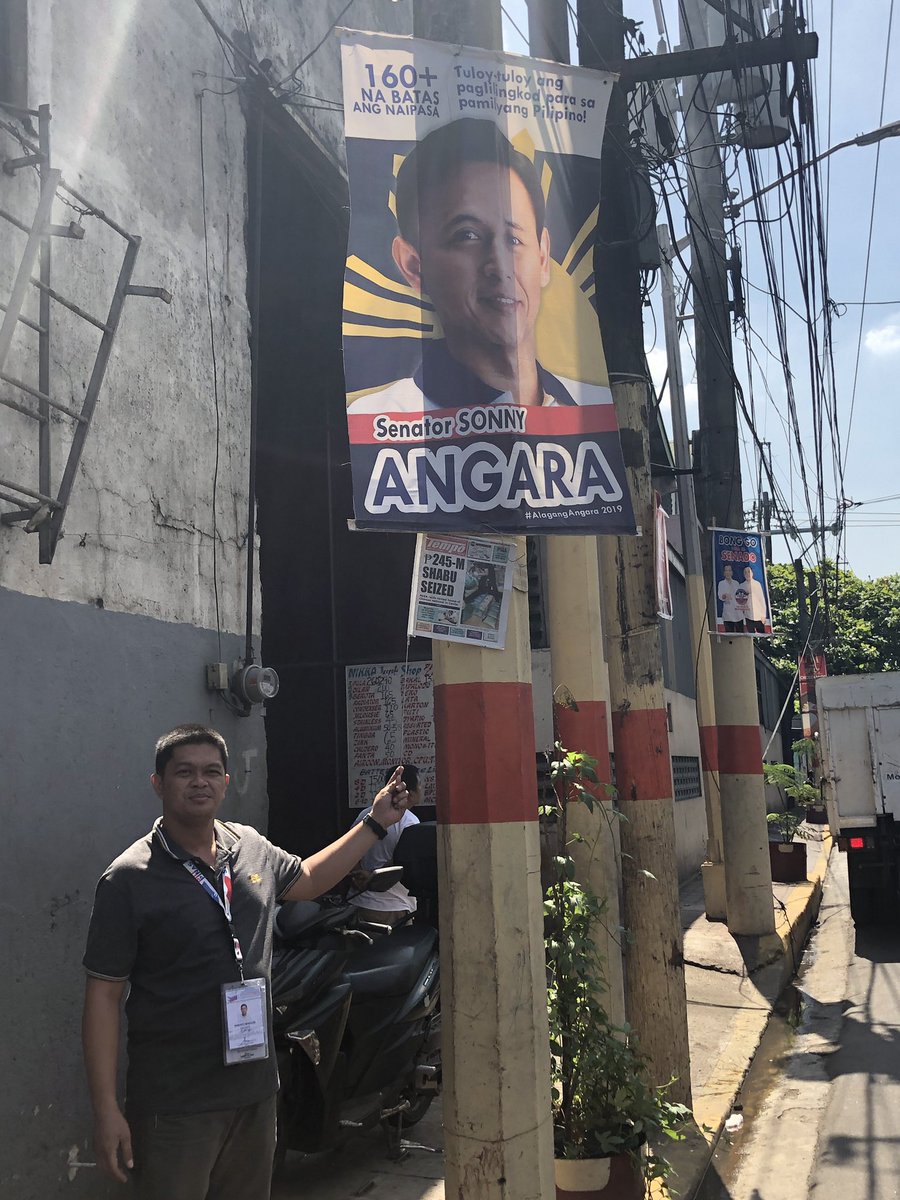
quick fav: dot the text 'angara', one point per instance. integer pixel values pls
(482, 476)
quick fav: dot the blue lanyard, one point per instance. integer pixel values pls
(224, 902)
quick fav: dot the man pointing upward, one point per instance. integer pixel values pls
(182, 922)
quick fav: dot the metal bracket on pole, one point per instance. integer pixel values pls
(705, 60)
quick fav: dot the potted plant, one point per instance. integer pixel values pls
(807, 751)
(608, 1119)
(787, 856)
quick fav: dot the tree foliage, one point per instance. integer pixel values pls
(864, 632)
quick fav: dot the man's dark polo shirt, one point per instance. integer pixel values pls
(154, 925)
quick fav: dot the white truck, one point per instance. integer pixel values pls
(859, 735)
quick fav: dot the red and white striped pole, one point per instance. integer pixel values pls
(498, 1135)
(581, 712)
(745, 843)
(655, 998)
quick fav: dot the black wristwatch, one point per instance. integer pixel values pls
(378, 829)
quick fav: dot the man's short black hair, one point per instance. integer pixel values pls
(188, 735)
(410, 775)
(441, 154)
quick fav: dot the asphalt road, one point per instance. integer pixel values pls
(821, 1105)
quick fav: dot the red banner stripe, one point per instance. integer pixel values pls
(484, 738)
(709, 747)
(586, 730)
(539, 422)
(641, 743)
(740, 752)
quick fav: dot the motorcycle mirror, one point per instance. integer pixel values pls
(384, 878)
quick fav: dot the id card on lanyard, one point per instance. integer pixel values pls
(244, 1027)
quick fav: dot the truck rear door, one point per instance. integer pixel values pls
(887, 758)
(849, 762)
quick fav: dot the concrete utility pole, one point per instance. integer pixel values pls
(713, 869)
(748, 875)
(581, 711)
(577, 662)
(654, 964)
(496, 1046)
(548, 29)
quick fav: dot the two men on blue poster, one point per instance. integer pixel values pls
(742, 596)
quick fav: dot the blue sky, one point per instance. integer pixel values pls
(855, 71)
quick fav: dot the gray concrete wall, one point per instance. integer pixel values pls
(85, 693)
(105, 648)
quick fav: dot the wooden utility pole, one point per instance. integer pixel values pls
(498, 1134)
(748, 875)
(654, 965)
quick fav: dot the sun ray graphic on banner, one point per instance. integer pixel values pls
(568, 339)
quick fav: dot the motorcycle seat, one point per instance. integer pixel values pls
(392, 965)
(303, 920)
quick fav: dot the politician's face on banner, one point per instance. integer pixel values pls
(483, 259)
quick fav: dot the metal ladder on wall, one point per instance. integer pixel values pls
(42, 511)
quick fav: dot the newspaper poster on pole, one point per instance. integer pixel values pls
(462, 588)
(390, 719)
(478, 397)
(742, 589)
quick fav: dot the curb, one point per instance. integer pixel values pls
(779, 954)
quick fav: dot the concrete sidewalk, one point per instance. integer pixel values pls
(732, 984)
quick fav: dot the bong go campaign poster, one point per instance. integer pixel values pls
(478, 398)
(742, 589)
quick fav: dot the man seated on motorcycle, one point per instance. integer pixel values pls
(396, 904)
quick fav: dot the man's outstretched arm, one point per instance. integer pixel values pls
(323, 870)
(100, 1039)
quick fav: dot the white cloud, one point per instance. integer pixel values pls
(885, 339)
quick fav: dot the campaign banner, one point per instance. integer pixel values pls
(742, 589)
(461, 589)
(478, 397)
(390, 719)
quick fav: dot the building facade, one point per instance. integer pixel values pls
(203, 140)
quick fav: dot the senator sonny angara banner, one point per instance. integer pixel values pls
(477, 392)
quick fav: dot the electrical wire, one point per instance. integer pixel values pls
(887, 55)
(318, 46)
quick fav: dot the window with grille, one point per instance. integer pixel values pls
(686, 776)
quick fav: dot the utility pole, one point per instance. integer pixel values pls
(748, 874)
(654, 965)
(498, 1132)
(548, 29)
(578, 665)
(713, 870)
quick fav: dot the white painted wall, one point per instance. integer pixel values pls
(690, 815)
(120, 78)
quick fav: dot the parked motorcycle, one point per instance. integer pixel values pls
(356, 1021)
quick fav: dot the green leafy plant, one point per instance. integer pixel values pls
(791, 784)
(603, 1102)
